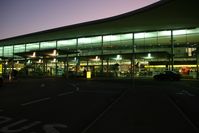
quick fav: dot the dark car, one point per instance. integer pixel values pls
(167, 75)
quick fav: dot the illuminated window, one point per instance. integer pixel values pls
(109, 38)
(48, 45)
(192, 31)
(164, 33)
(179, 32)
(97, 39)
(139, 35)
(19, 48)
(65, 43)
(1, 51)
(89, 40)
(151, 34)
(8, 51)
(84, 40)
(32, 46)
(126, 36)
(190, 51)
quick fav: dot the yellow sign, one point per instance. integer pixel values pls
(1, 69)
(88, 75)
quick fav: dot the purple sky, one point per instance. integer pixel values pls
(18, 17)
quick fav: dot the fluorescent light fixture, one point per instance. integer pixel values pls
(54, 53)
(39, 61)
(75, 59)
(54, 60)
(33, 55)
(118, 57)
(29, 62)
(148, 56)
(96, 58)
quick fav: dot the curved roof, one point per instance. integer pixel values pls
(163, 15)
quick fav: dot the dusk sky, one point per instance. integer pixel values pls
(18, 17)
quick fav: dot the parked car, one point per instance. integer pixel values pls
(167, 75)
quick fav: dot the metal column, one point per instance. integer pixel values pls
(67, 66)
(76, 67)
(172, 51)
(133, 58)
(102, 52)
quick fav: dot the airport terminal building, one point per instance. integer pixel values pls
(141, 43)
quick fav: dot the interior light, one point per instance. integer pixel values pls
(39, 60)
(54, 53)
(75, 59)
(33, 54)
(96, 58)
(54, 60)
(118, 57)
(28, 62)
(148, 56)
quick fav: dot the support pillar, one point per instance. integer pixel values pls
(87, 65)
(67, 66)
(107, 67)
(77, 60)
(172, 51)
(56, 67)
(133, 58)
(102, 53)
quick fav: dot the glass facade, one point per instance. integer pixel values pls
(117, 55)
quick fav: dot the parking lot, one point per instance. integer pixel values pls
(56, 105)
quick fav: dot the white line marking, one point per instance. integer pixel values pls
(183, 114)
(64, 94)
(77, 88)
(35, 101)
(185, 92)
(93, 91)
(51, 128)
(8, 128)
(74, 85)
(116, 100)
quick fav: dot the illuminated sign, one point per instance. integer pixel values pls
(1, 69)
(88, 75)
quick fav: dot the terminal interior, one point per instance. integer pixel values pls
(123, 55)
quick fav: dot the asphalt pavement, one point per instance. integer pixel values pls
(57, 105)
